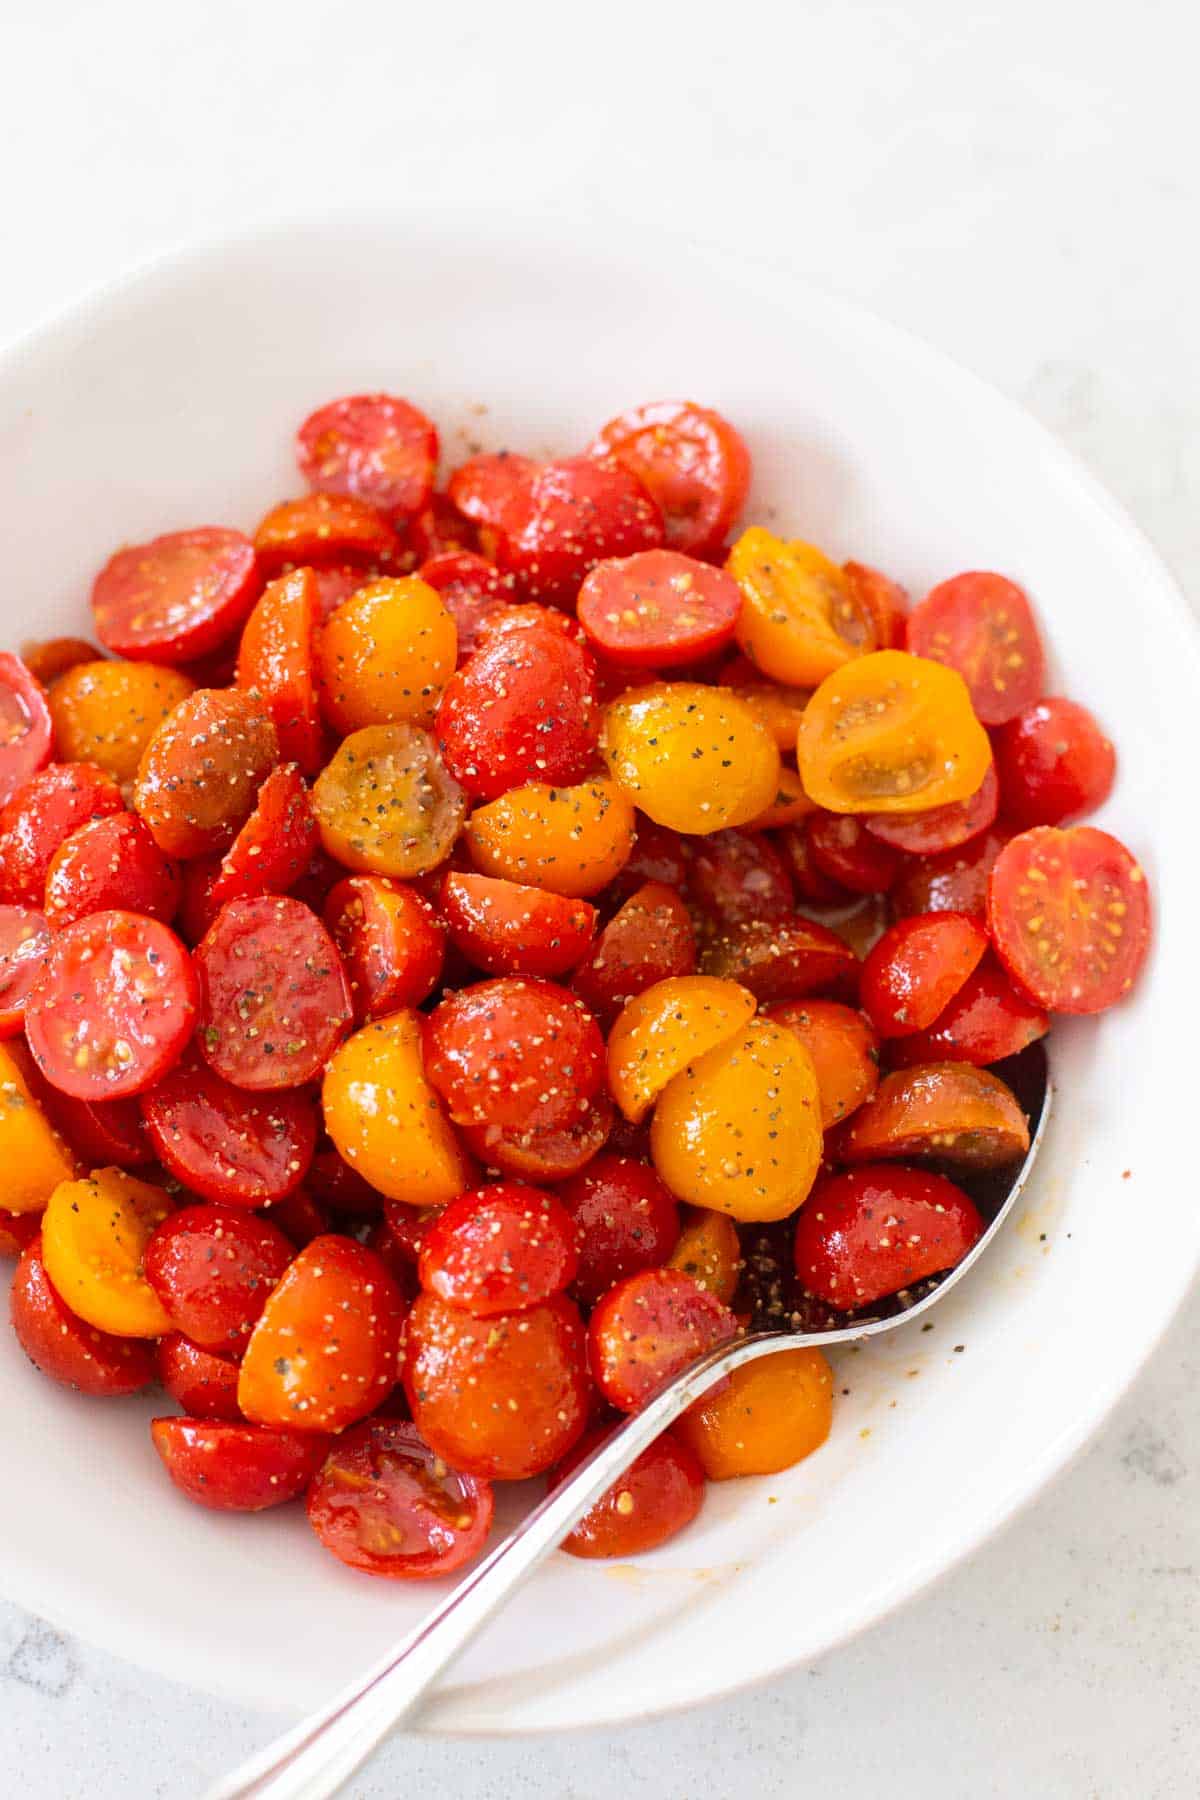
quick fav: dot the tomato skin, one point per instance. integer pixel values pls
(691, 460)
(48, 658)
(659, 1494)
(24, 946)
(844, 1050)
(17, 1232)
(390, 942)
(982, 625)
(385, 1503)
(524, 704)
(658, 855)
(232, 1147)
(40, 815)
(375, 447)
(884, 600)
(564, 517)
(385, 655)
(66, 1349)
(94, 1234)
(485, 487)
(658, 609)
(201, 772)
(626, 1219)
(954, 881)
(276, 664)
(845, 852)
(236, 1468)
(1054, 763)
(499, 1249)
(321, 529)
(985, 1021)
(213, 1267)
(545, 1153)
(472, 590)
(25, 726)
(200, 1381)
(650, 939)
(101, 1131)
(516, 1052)
(647, 1329)
(800, 618)
(782, 959)
(510, 928)
(570, 839)
(766, 1417)
(177, 597)
(942, 827)
(811, 883)
(660, 1031)
(386, 803)
(695, 758)
(876, 1230)
(916, 969)
(737, 875)
(105, 713)
(947, 1112)
(111, 864)
(271, 852)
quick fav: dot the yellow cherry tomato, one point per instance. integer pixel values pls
(32, 1155)
(709, 1250)
(385, 654)
(692, 757)
(801, 617)
(386, 804)
(739, 1129)
(107, 712)
(386, 1120)
(572, 840)
(659, 1032)
(94, 1236)
(768, 1416)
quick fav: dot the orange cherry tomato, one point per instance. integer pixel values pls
(385, 655)
(768, 1416)
(709, 1250)
(844, 1051)
(321, 529)
(649, 1327)
(276, 664)
(657, 1496)
(695, 758)
(48, 658)
(572, 840)
(801, 617)
(106, 712)
(664, 1029)
(791, 802)
(94, 1237)
(946, 1112)
(199, 775)
(647, 940)
(34, 1157)
(386, 804)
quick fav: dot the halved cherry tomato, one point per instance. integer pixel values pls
(885, 601)
(523, 707)
(236, 1468)
(385, 1118)
(385, 655)
(1054, 763)
(768, 1416)
(844, 1051)
(275, 1001)
(916, 969)
(691, 460)
(106, 712)
(177, 597)
(801, 617)
(987, 1020)
(111, 863)
(34, 822)
(649, 1327)
(101, 1131)
(780, 708)
(811, 883)
(510, 928)
(484, 487)
(471, 590)
(17, 1232)
(791, 802)
(783, 959)
(384, 1502)
(658, 855)
(199, 776)
(200, 1381)
(531, 615)
(439, 529)
(982, 625)
(648, 940)
(376, 447)
(946, 1112)
(954, 881)
(66, 1348)
(94, 1237)
(571, 840)
(390, 941)
(386, 804)
(695, 758)
(666, 1027)
(537, 1153)
(213, 1267)
(24, 945)
(227, 1144)
(564, 517)
(26, 734)
(942, 827)
(321, 529)
(271, 852)
(625, 1219)
(878, 1230)
(503, 1397)
(48, 658)
(276, 664)
(658, 609)
(738, 875)
(516, 1052)
(709, 1250)
(499, 1249)
(33, 1154)
(1069, 914)
(845, 852)
(658, 1495)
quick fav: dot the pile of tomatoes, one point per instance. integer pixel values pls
(451, 932)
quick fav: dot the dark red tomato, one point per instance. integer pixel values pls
(500, 1249)
(544, 1154)
(111, 863)
(301, 1218)
(782, 959)
(1069, 914)
(844, 851)
(196, 910)
(659, 1493)
(955, 881)
(1054, 762)
(982, 625)
(659, 854)
(374, 446)
(734, 876)
(484, 488)
(810, 882)
(948, 1113)
(884, 601)
(63, 1347)
(24, 945)
(237, 1468)
(177, 597)
(276, 664)
(516, 1052)
(103, 1133)
(649, 939)
(916, 969)
(626, 1220)
(39, 816)
(648, 1328)
(273, 849)
(507, 928)
(17, 1231)
(437, 530)
(117, 1002)
(390, 940)
(324, 529)
(203, 1383)
(226, 1144)
(522, 708)
(692, 461)
(26, 731)
(880, 1229)
(942, 827)
(337, 1184)
(318, 880)
(407, 1226)
(384, 1502)
(503, 1397)
(399, 1266)
(201, 772)
(565, 517)
(985, 1021)
(471, 591)
(333, 586)
(658, 609)
(275, 1001)
(48, 658)
(213, 1267)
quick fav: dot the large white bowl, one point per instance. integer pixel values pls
(170, 400)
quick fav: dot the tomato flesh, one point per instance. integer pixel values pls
(230, 1146)
(26, 731)
(982, 625)
(693, 462)
(375, 447)
(875, 1231)
(177, 597)
(658, 609)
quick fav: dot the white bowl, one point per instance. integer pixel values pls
(170, 400)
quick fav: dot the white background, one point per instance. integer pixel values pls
(1016, 183)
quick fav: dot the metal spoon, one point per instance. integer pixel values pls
(312, 1761)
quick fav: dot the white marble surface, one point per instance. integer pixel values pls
(1016, 183)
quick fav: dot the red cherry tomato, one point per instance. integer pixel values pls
(515, 1052)
(691, 460)
(407, 1226)
(335, 585)
(276, 663)
(338, 1185)
(111, 863)
(103, 1133)
(811, 883)
(177, 597)
(984, 1022)
(301, 1218)
(658, 609)
(916, 969)
(500, 1249)
(374, 446)
(954, 881)
(115, 1006)
(385, 1503)
(471, 589)
(322, 529)
(484, 487)
(438, 530)
(390, 941)
(24, 945)
(203, 1383)
(564, 517)
(1054, 762)
(626, 1220)
(1069, 915)
(782, 959)
(523, 708)
(648, 1328)
(845, 852)
(237, 1468)
(884, 601)
(879, 1229)
(648, 940)
(982, 625)
(735, 876)
(659, 1493)
(26, 731)
(228, 1145)
(942, 827)
(39, 816)
(658, 855)
(508, 928)
(544, 1153)
(213, 1267)
(271, 852)
(63, 1347)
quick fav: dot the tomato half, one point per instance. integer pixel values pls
(376, 447)
(659, 1494)
(94, 1237)
(321, 529)
(946, 1112)
(885, 601)
(878, 1230)
(177, 597)
(24, 946)
(499, 1249)
(782, 959)
(647, 1329)
(510, 928)
(626, 1219)
(916, 968)
(276, 664)
(545, 1153)
(48, 658)
(1055, 762)
(801, 617)
(111, 863)
(390, 941)
(566, 516)
(843, 850)
(953, 881)
(226, 1144)
(658, 609)
(518, 1052)
(693, 462)
(201, 772)
(63, 1346)
(200, 1381)
(40, 815)
(485, 487)
(982, 625)
(26, 734)
(942, 827)
(985, 1021)
(522, 708)
(386, 804)
(472, 591)
(734, 876)
(844, 1050)
(236, 1468)
(271, 852)
(650, 939)
(213, 1267)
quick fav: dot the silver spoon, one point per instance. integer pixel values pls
(314, 1759)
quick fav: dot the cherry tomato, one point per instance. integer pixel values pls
(942, 827)
(709, 1250)
(48, 658)
(530, 615)
(270, 853)
(693, 463)
(384, 1502)
(650, 939)
(63, 1346)
(236, 1468)
(947, 1112)
(385, 655)
(955, 881)
(322, 529)
(26, 734)
(844, 1050)
(845, 852)
(177, 597)
(695, 758)
(200, 774)
(1054, 763)
(1069, 915)
(34, 822)
(564, 517)
(625, 1218)
(484, 487)
(213, 1267)
(229, 1145)
(111, 863)
(663, 1029)
(916, 969)
(390, 941)
(386, 804)
(782, 959)
(105, 713)
(472, 590)
(571, 840)
(780, 708)
(406, 1226)
(24, 945)
(301, 1218)
(982, 625)
(658, 855)
(880, 1229)
(375, 447)
(275, 665)
(987, 1020)
(800, 617)
(884, 600)
(810, 882)
(499, 1249)
(738, 875)
(35, 1158)
(545, 1153)
(502, 1397)
(790, 803)
(94, 1237)
(515, 1052)
(649, 1327)
(200, 1381)
(523, 706)
(658, 1495)
(509, 928)
(101, 1131)
(386, 1120)
(767, 1417)
(658, 609)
